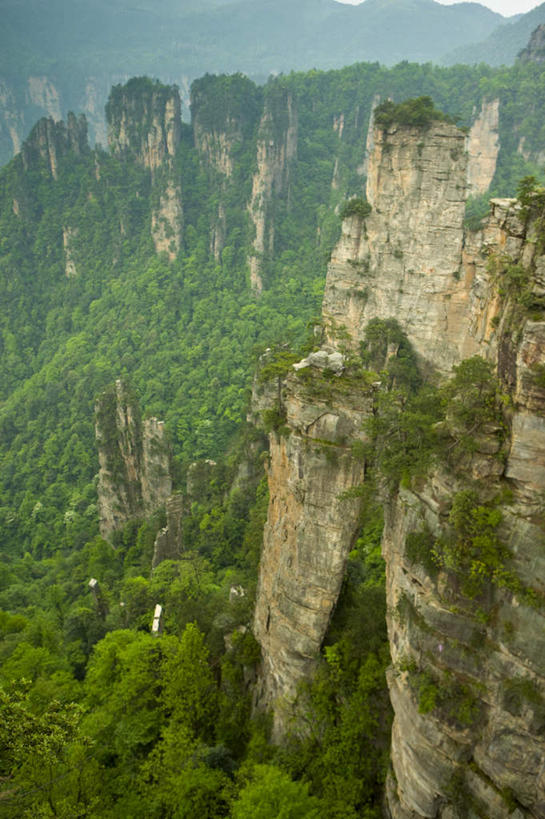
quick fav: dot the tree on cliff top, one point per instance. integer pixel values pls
(418, 112)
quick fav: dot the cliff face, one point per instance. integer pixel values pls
(483, 147)
(467, 680)
(310, 527)
(144, 122)
(144, 126)
(134, 478)
(50, 140)
(276, 149)
(405, 259)
(492, 756)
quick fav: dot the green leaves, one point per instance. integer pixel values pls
(272, 794)
(418, 113)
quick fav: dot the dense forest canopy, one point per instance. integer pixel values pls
(125, 723)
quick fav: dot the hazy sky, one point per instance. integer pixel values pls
(505, 7)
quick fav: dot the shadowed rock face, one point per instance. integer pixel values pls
(134, 478)
(50, 140)
(481, 748)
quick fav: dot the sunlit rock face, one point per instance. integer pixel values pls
(310, 529)
(144, 122)
(479, 749)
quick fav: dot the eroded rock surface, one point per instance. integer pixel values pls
(480, 749)
(276, 148)
(483, 147)
(134, 478)
(311, 526)
(50, 140)
(144, 122)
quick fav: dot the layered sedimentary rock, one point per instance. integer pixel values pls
(476, 748)
(404, 260)
(276, 148)
(134, 477)
(50, 140)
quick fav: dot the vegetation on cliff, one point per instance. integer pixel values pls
(131, 724)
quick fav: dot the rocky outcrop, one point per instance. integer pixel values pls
(144, 126)
(169, 541)
(467, 681)
(69, 237)
(276, 149)
(225, 113)
(167, 220)
(483, 147)
(134, 477)
(49, 141)
(11, 122)
(405, 258)
(45, 95)
(144, 122)
(310, 528)
(535, 50)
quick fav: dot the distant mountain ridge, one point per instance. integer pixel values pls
(65, 55)
(503, 44)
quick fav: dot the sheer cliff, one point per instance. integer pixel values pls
(462, 540)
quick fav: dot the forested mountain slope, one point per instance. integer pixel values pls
(140, 286)
(504, 43)
(63, 55)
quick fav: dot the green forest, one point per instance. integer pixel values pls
(100, 718)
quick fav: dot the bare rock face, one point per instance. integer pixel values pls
(50, 140)
(310, 528)
(167, 220)
(44, 94)
(483, 147)
(408, 259)
(276, 148)
(467, 681)
(144, 122)
(134, 478)
(69, 237)
(144, 126)
(11, 119)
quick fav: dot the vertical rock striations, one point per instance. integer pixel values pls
(467, 680)
(144, 126)
(225, 112)
(483, 147)
(403, 261)
(134, 478)
(276, 149)
(49, 141)
(310, 527)
(144, 122)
